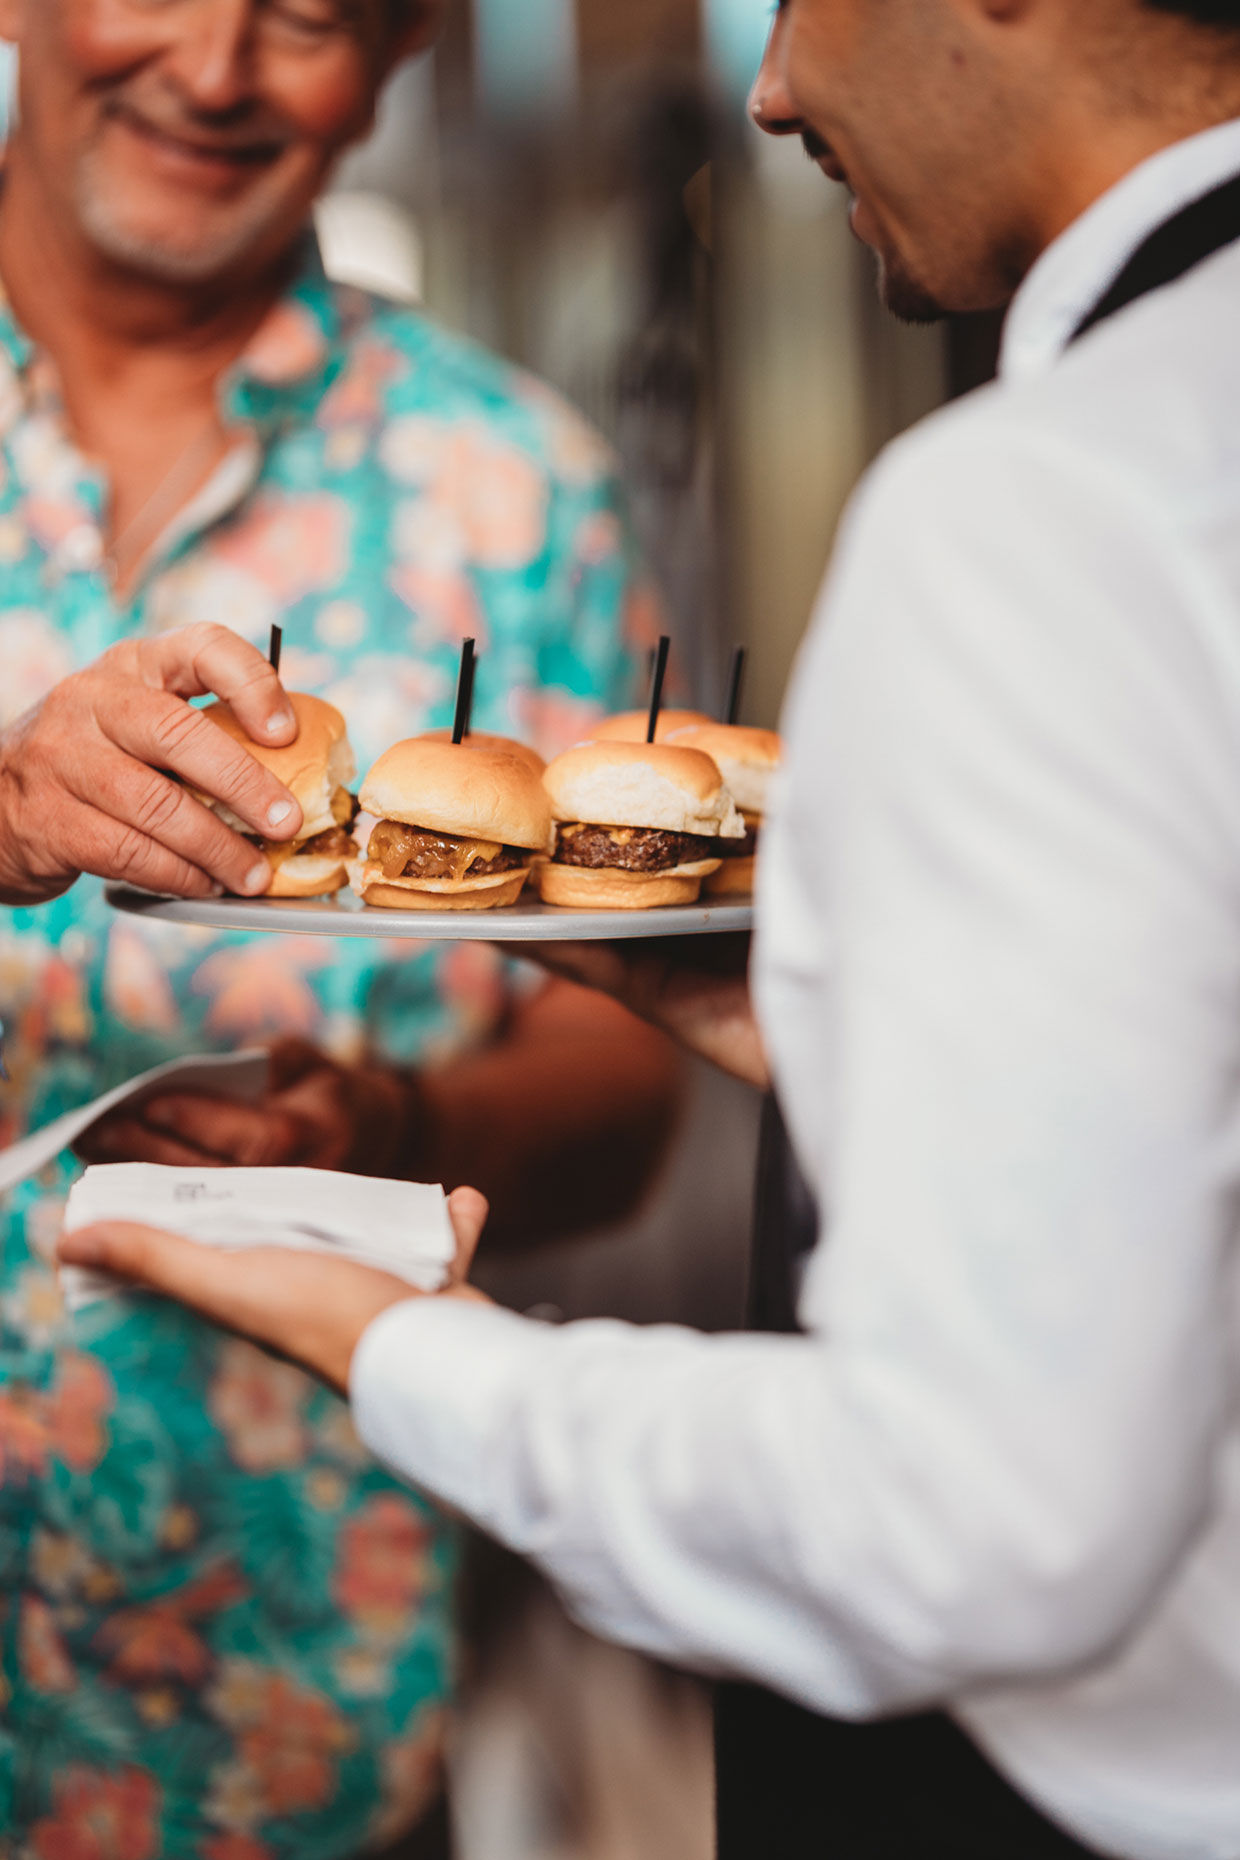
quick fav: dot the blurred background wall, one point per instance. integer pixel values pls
(575, 183)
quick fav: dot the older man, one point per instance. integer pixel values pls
(991, 1494)
(226, 1632)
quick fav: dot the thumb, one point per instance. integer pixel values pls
(468, 1211)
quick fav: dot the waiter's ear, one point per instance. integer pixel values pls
(11, 20)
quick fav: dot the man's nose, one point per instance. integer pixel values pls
(770, 104)
(214, 55)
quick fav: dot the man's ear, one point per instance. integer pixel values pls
(417, 26)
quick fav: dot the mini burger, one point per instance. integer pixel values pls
(747, 760)
(459, 826)
(640, 825)
(316, 769)
(631, 726)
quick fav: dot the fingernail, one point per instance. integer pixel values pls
(278, 813)
(279, 720)
(256, 879)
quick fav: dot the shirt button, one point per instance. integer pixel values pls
(81, 550)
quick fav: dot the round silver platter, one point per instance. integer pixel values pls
(518, 923)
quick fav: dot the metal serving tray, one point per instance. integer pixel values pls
(343, 915)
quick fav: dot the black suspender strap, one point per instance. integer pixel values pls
(1188, 239)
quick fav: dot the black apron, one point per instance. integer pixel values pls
(793, 1786)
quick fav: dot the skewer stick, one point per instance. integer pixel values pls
(464, 693)
(656, 687)
(736, 684)
(276, 648)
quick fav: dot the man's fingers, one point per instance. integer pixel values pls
(94, 841)
(164, 1262)
(469, 1212)
(203, 659)
(242, 1136)
(149, 809)
(162, 732)
(313, 1309)
(126, 1138)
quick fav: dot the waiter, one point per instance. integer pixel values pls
(991, 1496)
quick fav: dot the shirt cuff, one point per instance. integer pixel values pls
(430, 1380)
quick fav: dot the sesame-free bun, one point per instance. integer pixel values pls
(312, 768)
(308, 875)
(644, 785)
(585, 888)
(479, 739)
(631, 725)
(467, 894)
(734, 879)
(468, 790)
(746, 759)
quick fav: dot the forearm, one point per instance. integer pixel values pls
(562, 1125)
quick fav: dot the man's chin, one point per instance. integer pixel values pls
(173, 253)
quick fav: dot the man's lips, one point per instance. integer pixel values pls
(824, 156)
(208, 152)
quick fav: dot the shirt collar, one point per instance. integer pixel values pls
(1075, 272)
(289, 363)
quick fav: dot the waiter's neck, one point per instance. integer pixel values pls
(1091, 158)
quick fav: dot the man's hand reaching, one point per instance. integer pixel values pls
(310, 1307)
(86, 777)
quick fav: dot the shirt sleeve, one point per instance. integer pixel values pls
(1015, 1050)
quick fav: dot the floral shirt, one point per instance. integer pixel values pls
(223, 1632)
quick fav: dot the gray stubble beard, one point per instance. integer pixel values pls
(152, 258)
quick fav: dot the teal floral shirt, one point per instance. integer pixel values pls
(224, 1633)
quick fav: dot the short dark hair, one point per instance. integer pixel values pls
(1203, 12)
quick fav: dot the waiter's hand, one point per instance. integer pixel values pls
(85, 776)
(694, 988)
(364, 1120)
(308, 1306)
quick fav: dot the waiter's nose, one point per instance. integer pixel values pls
(770, 103)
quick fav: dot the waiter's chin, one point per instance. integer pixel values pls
(901, 291)
(904, 294)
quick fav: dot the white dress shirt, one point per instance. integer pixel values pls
(999, 973)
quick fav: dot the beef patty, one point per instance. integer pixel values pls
(631, 849)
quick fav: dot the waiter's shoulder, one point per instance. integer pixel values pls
(1142, 412)
(431, 372)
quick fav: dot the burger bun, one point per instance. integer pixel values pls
(747, 759)
(312, 768)
(471, 790)
(605, 888)
(650, 786)
(438, 894)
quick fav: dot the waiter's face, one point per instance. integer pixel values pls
(183, 138)
(909, 104)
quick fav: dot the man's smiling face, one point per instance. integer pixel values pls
(906, 104)
(187, 138)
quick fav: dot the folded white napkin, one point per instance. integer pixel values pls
(402, 1227)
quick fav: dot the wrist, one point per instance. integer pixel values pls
(24, 880)
(394, 1125)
